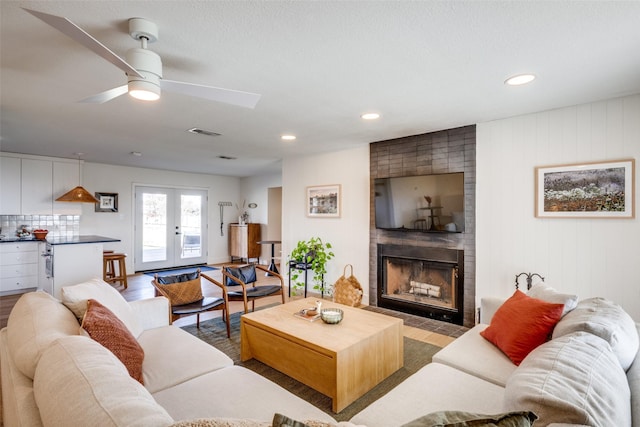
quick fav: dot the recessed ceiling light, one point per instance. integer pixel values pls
(288, 137)
(370, 116)
(520, 79)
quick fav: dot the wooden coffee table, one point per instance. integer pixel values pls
(341, 361)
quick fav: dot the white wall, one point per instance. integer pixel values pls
(255, 189)
(119, 179)
(588, 257)
(349, 234)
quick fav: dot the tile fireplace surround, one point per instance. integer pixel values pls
(447, 151)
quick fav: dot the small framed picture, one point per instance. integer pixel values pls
(324, 201)
(107, 202)
(586, 190)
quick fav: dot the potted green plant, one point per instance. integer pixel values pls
(313, 255)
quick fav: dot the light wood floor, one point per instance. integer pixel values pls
(139, 287)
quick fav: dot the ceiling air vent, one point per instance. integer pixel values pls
(227, 158)
(203, 132)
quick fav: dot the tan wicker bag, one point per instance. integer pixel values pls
(347, 290)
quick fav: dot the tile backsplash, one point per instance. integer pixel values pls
(58, 225)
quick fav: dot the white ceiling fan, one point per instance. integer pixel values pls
(142, 66)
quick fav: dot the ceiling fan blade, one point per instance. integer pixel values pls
(107, 95)
(228, 96)
(78, 34)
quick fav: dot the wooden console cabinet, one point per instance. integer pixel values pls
(243, 241)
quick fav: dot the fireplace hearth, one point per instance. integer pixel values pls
(422, 280)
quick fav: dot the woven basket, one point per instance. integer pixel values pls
(347, 290)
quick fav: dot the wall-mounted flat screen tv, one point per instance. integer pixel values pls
(401, 203)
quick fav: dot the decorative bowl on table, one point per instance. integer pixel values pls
(40, 234)
(331, 315)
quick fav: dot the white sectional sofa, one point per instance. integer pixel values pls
(52, 375)
(588, 374)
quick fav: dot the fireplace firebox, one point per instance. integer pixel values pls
(425, 281)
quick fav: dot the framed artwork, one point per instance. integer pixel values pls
(107, 202)
(586, 190)
(323, 201)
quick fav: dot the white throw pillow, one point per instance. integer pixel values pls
(574, 379)
(549, 294)
(75, 298)
(606, 320)
(78, 382)
(36, 320)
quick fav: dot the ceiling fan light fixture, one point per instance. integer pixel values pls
(143, 90)
(149, 65)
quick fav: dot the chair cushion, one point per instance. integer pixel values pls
(246, 273)
(204, 304)
(521, 324)
(104, 327)
(256, 292)
(181, 288)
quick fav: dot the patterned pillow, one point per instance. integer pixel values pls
(181, 289)
(105, 328)
(462, 419)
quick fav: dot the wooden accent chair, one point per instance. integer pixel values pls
(245, 281)
(184, 292)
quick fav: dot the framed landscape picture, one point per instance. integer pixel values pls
(107, 202)
(324, 201)
(586, 190)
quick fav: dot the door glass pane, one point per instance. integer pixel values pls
(190, 224)
(154, 227)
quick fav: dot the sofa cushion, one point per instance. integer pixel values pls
(234, 392)
(549, 294)
(473, 354)
(75, 298)
(435, 387)
(78, 382)
(105, 328)
(607, 320)
(521, 324)
(467, 419)
(572, 379)
(187, 357)
(633, 377)
(221, 422)
(36, 320)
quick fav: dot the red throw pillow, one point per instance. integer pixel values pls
(521, 324)
(104, 327)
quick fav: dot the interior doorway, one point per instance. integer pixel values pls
(170, 227)
(274, 221)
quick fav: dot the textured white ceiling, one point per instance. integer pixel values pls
(424, 65)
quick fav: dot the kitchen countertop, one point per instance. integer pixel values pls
(73, 240)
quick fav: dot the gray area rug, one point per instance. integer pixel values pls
(416, 355)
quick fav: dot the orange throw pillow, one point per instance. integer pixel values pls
(521, 324)
(105, 328)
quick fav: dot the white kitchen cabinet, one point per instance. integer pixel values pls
(18, 267)
(65, 177)
(37, 194)
(75, 263)
(9, 185)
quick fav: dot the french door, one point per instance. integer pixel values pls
(170, 227)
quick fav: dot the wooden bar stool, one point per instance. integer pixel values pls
(109, 273)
